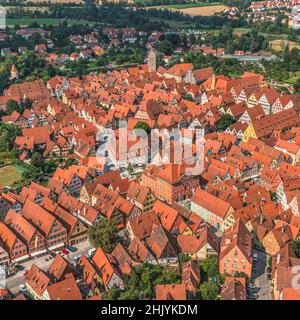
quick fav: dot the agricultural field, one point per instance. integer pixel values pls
(56, 1)
(188, 5)
(204, 11)
(279, 45)
(30, 8)
(9, 175)
(195, 9)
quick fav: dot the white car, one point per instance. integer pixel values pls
(255, 257)
(23, 288)
(91, 252)
(77, 257)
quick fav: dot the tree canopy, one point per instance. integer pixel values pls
(296, 247)
(142, 126)
(104, 234)
(225, 121)
(209, 291)
(141, 282)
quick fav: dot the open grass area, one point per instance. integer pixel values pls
(241, 30)
(174, 24)
(269, 36)
(8, 175)
(294, 76)
(41, 21)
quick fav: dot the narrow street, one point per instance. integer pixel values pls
(259, 276)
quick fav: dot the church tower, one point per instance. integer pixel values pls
(213, 82)
(152, 60)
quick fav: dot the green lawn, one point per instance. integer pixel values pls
(241, 30)
(293, 78)
(174, 24)
(268, 36)
(8, 175)
(41, 21)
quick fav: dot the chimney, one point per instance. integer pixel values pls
(261, 219)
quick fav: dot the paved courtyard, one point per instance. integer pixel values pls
(13, 283)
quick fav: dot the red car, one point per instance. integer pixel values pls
(64, 251)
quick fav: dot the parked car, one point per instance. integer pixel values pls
(255, 257)
(77, 257)
(65, 251)
(250, 285)
(19, 267)
(23, 288)
(252, 296)
(91, 252)
(72, 249)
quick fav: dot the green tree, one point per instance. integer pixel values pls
(225, 121)
(286, 54)
(141, 282)
(36, 159)
(130, 168)
(104, 234)
(166, 47)
(297, 86)
(182, 258)
(112, 293)
(143, 126)
(12, 105)
(8, 134)
(269, 261)
(188, 97)
(296, 247)
(130, 294)
(210, 267)
(209, 291)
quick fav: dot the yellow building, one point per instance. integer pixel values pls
(249, 133)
